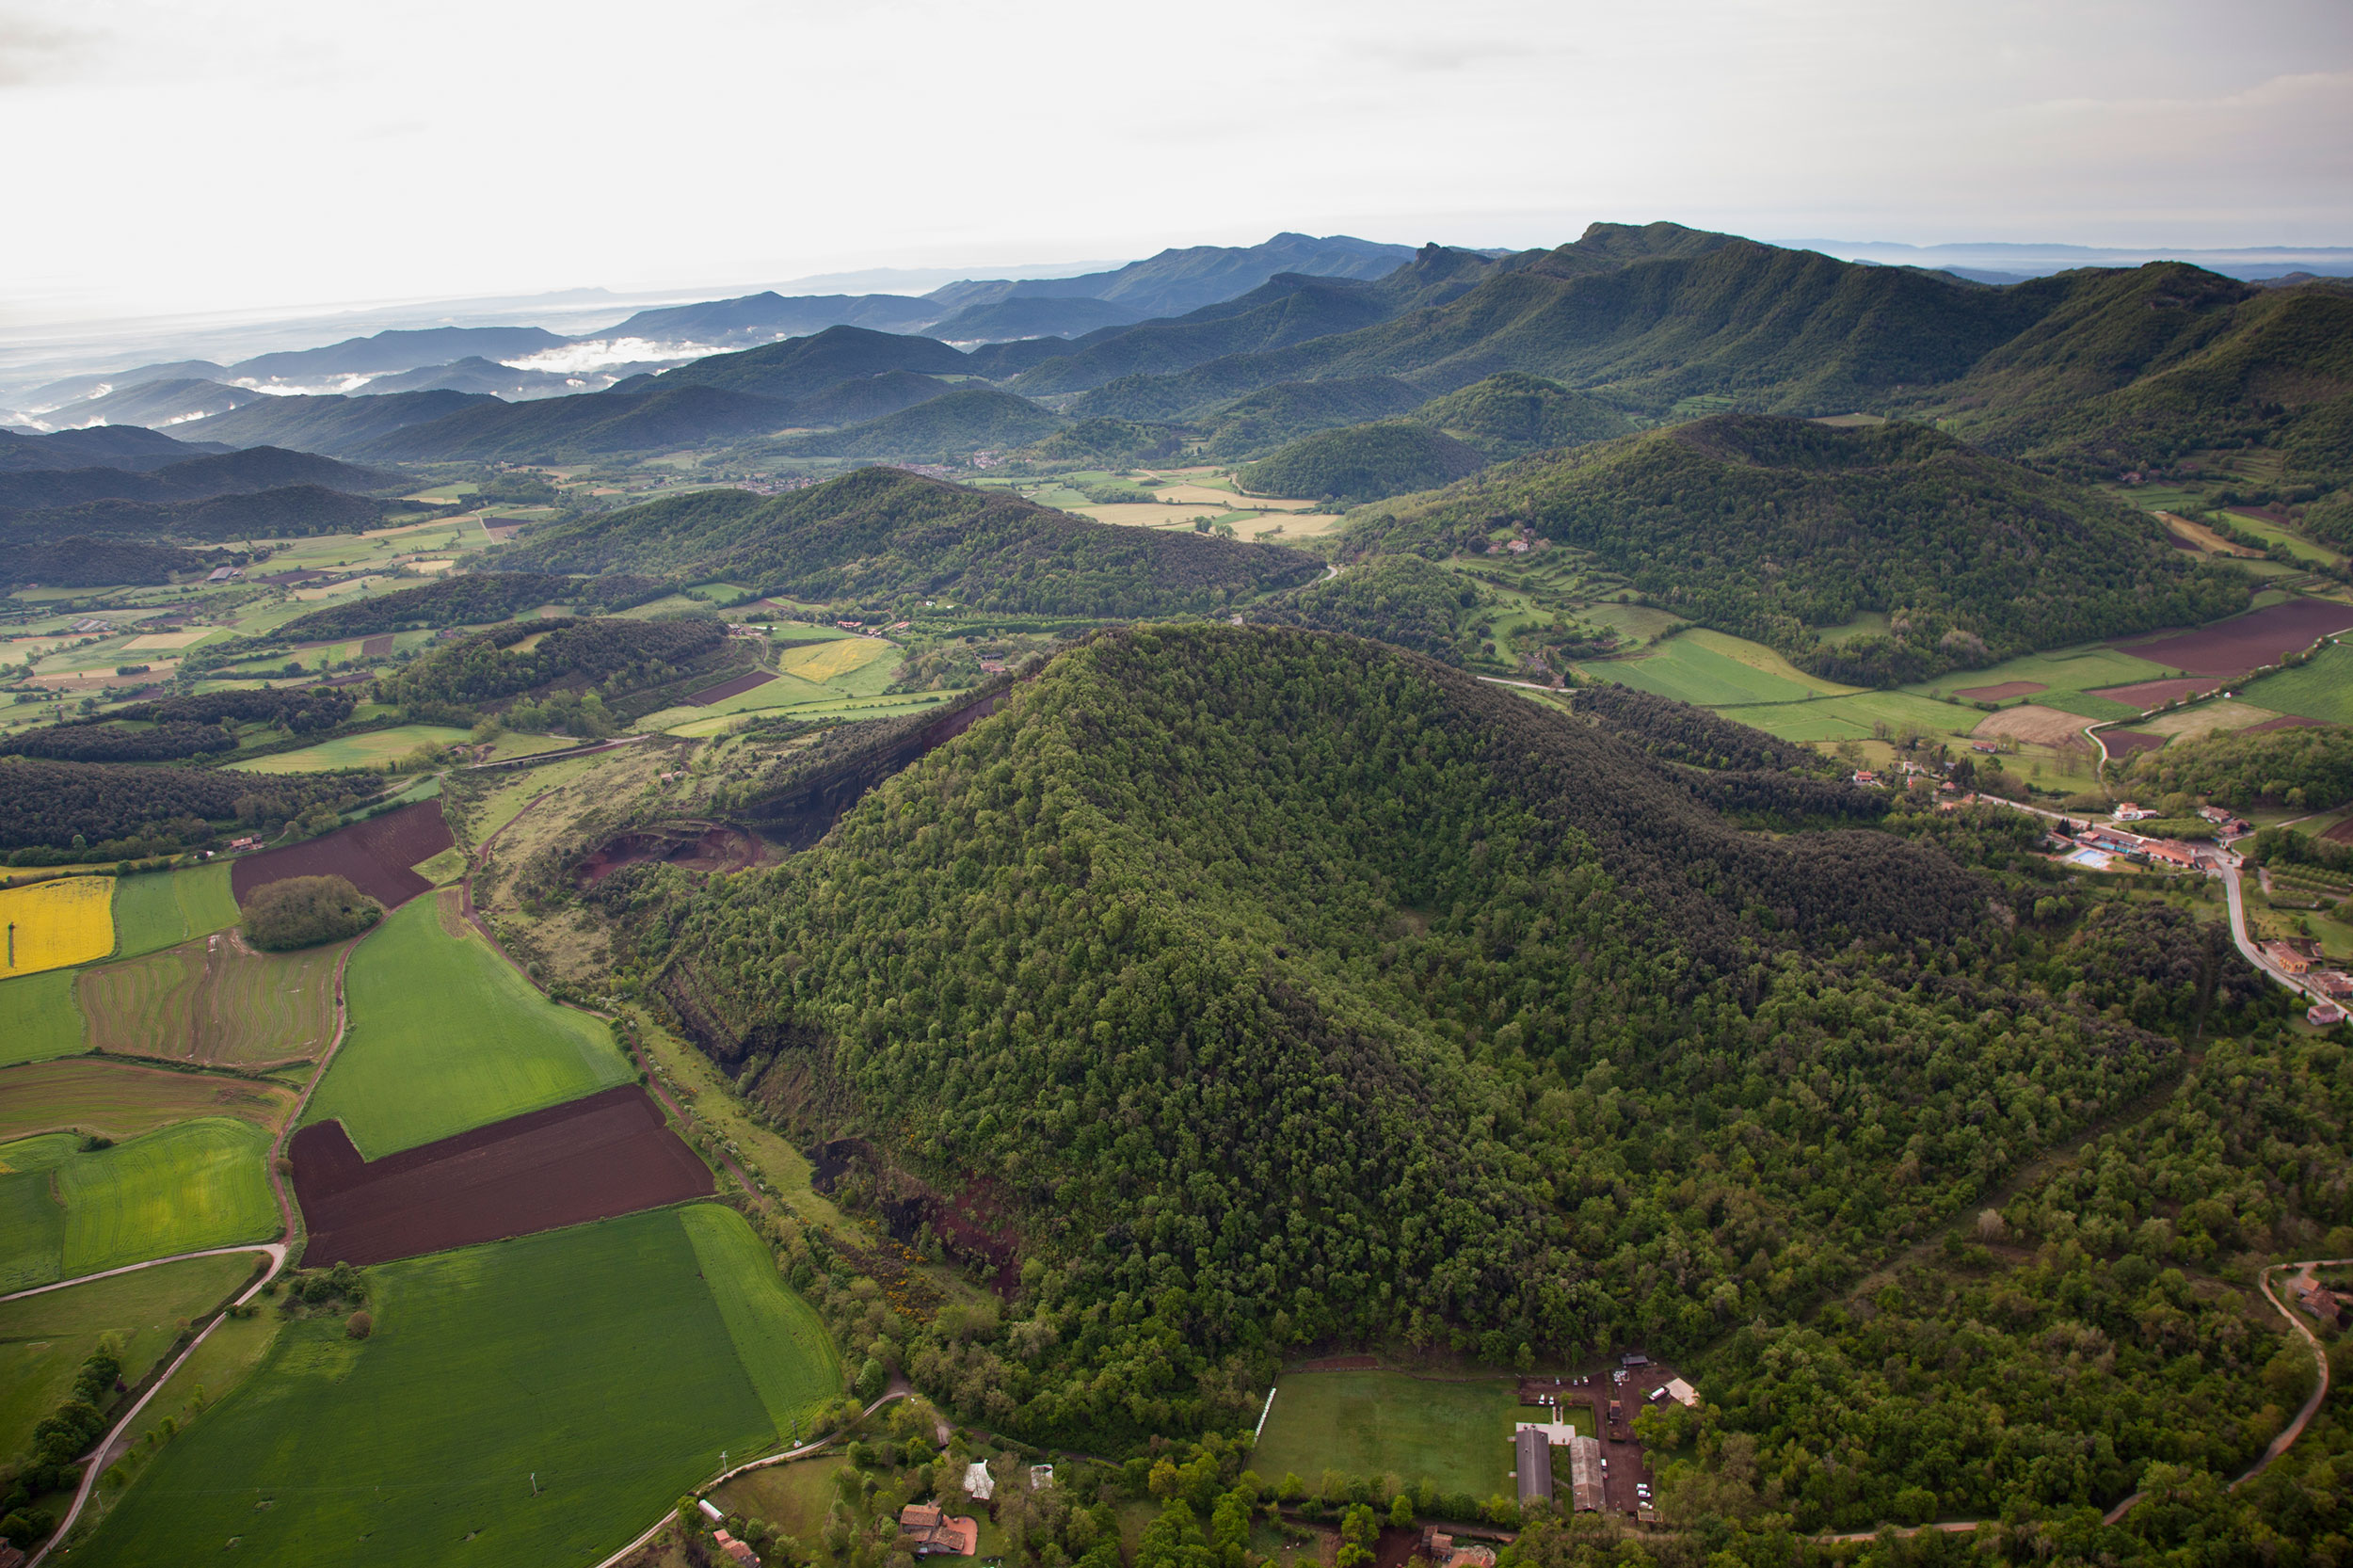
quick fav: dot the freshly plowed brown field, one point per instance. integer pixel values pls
(2123, 743)
(2286, 721)
(2154, 694)
(214, 1000)
(588, 1160)
(726, 689)
(375, 855)
(2246, 642)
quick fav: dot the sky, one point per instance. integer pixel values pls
(193, 155)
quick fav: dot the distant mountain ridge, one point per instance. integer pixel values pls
(192, 479)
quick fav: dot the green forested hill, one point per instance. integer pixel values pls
(799, 366)
(1773, 528)
(881, 533)
(1400, 600)
(663, 415)
(1510, 415)
(1284, 988)
(957, 421)
(1363, 462)
(1275, 416)
(289, 511)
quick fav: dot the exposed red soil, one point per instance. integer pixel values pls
(374, 855)
(2342, 833)
(2151, 693)
(2122, 741)
(2288, 721)
(714, 848)
(376, 648)
(726, 689)
(2007, 690)
(589, 1160)
(2246, 642)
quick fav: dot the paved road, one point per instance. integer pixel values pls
(277, 1251)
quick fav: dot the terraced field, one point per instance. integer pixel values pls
(119, 1100)
(590, 1363)
(163, 910)
(65, 1211)
(443, 1035)
(215, 1000)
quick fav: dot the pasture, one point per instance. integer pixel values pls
(2031, 722)
(445, 1036)
(590, 1363)
(50, 925)
(39, 1019)
(118, 1101)
(783, 1345)
(1457, 1436)
(161, 910)
(370, 750)
(2207, 718)
(1854, 718)
(2061, 673)
(213, 1001)
(45, 1338)
(1714, 670)
(2322, 689)
(794, 1497)
(65, 1213)
(825, 661)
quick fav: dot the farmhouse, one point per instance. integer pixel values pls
(2127, 811)
(928, 1532)
(1441, 1551)
(2169, 852)
(735, 1549)
(2319, 1301)
(1585, 1474)
(2333, 984)
(2284, 958)
(2324, 1014)
(1533, 1455)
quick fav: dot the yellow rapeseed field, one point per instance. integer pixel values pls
(51, 924)
(823, 661)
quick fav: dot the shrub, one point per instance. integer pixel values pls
(360, 1324)
(304, 911)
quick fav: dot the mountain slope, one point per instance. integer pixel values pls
(1511, 415)
(1363, 462)
(661, 416)
(757, 317)
(1275, 416)
(1004, 319)
(403, 348)
(478, 375)
(1186, 278)
(799, 366)
(287, 511)
(122, 446)
(961, 420)
(332, 423)
(155, 403)
(258, 468)
(1280, 988)
(1772, 528)
(882, 534)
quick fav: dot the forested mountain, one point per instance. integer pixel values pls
(470, 600)
(1400, 600)
(1511, 415)
(660, 415)
(194, 478)
(758, 317)
(332, 423)
(151, 403)
(960, 420)
(1024, 317)
(289, 511)
(1187, 278)
(859, 399)
(881, 534)
(77, 561)
(400, 349)
(123, 446)
(1286, 989)
(478, 375)
(799, 366)
(1271, 417)
(604, 658)
(1363, 462)
(1774, 528)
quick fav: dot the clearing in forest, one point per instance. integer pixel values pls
(592, 1357)
(215, 1000)
(119, 1100)
(66, 1211)
(49, 925)
(443, 1036)
(1456, 1436)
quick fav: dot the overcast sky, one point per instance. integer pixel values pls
(199, 155)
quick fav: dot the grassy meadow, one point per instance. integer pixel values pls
(53, 924)
(1457, 1436)
(370, 750)
(783, 1345)
(2322, 689)
(443, 1035)
(45, 1338)
(213, 1001)
(163, 910)
(591, 1359)
(65, 1213)
(39, 1019)
(1714, 670)
(121, 1100)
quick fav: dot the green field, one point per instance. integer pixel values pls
(783, 1345)
(588, 1362)
(370, 750)
(214, 1001)
(45, 1338)
(64, 1213)
(2081, 668)
(1714, 671)
(123, 1100)
(1854, 718)
(39, 1019)
(445, 1035)
(1457, 1436)
(2322, 689)
(163, 910)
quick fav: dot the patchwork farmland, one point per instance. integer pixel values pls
(121, 1100)
(66, 1211)
(215, 1000)
(374, 855)
(53, 925)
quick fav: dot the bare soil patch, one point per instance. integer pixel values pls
(2286, 721)
(2154, 694)
(2123, 741)
(609, 1154)
(375, 855)
(695, 846)
(2246, 642)
(377, 646)
(726, 689)
(2035, 725)
(2002, 693)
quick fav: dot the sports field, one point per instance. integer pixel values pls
(51, 924)
(215, 1000)
(2322, 689)
(39, 1019)
(1457, 1436)
(45, 1338)
(64, 1213)
(445, 1035)
(161, 910)
(119, 1100)
(372, 750)
(590, 1364)
(1714, 670)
